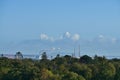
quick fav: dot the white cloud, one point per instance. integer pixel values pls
(44, 37)
(53, 48)
(102, 38)
(67, 34)
(75, 37)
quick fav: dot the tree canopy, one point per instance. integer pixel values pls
(60, 68)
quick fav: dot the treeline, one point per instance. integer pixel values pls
(60, 68)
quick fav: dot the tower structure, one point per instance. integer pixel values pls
(79, 50)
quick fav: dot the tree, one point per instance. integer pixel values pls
(61, 68)
(117, 75)
(86, 59)
(44, 56)
(1, 55)
(48, 75)
(105, 71)
(99, 59)
(117, 66)
(72, 76)
(19, 55)
(58, 56)
(82, 69)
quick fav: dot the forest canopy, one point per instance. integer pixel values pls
(60, 68)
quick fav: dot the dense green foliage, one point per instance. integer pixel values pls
(60, 68)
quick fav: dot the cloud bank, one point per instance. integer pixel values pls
(76, 37)
(67, 35)
(46, 37)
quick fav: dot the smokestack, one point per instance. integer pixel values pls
(79, 50)
(74, 52)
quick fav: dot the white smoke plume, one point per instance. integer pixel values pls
(75, 37)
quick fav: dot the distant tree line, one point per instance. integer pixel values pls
(60, 68)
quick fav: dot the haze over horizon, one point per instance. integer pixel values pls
(80, 21)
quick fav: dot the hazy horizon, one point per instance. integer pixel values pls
(82, 21)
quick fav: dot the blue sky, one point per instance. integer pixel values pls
(27, 19)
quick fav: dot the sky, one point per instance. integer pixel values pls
(28, 19)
